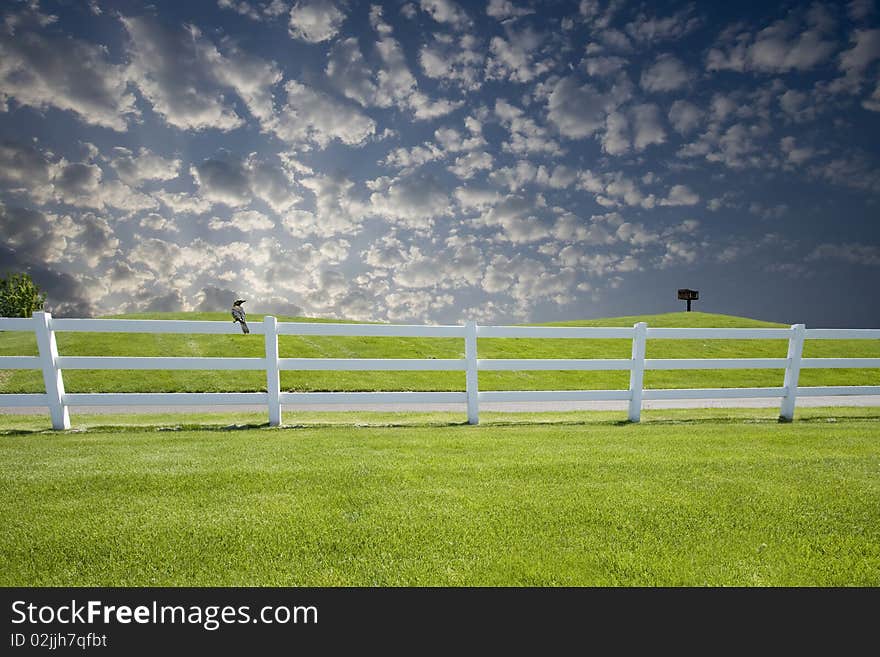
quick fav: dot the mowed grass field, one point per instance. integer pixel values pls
(686, 498)
(107, 344)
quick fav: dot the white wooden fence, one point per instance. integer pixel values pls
(57, 400)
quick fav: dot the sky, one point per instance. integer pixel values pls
(432, 161)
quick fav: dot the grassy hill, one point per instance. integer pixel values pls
(138, 344)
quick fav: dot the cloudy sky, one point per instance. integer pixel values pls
(433, 161)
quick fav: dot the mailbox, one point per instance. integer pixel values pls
(688, 295)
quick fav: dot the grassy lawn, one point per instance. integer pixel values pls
(695, 497)
(106, 344)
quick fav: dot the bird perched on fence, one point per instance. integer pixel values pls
(238, 315)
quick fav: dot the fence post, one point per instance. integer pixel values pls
(637, 373)
(52, 378)
(470, 354)
(273, 374)
(792, 372)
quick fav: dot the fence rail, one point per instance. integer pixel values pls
(58, 401)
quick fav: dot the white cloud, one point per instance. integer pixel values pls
(251, 77)
(794, 154)
(186, 78)
(348, 72)
(183, 203)
(797, 106)
(158, 223)
(504, 9)
(855, 171)
(597, 231)
(388, 252)
(446, 11)
(124, 279)
(526, 136)
(782, 46)
(616, 139)
(43, 71)
(23, 165)
(602, 67)
(466, 166)
(315, 21)
(414, 201)
(122, 197)
(681, 195)
(241, 7)
(236, 182)
(337, 210)
(578, 110)
(651, 29)
(677, 253)
(409, 159)
(872, 102)
(452, 141)
(34, 236)
(311, 116)
(222, 180)
(145, 166)
(444, 268)
(174, 70)
(667, 73)
(855, 62)
(561, 177)
(528, 281)
(396, 83)
(474, 197)
(459, 61)
(639, 127)
(685, 117)
(244, 220)
(737, 146)
(768, 212)
(858, 254)
(80, 184)
(647, 128)
(515, 177)
(591, 12)
(614, 188)
(519, 219)
(271, 184)
(94, 240)
(514, 58)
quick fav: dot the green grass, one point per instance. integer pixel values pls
(722, 497)
(107, 344)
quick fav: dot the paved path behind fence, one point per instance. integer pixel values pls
(505, 407)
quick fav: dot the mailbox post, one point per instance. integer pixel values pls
(688, 295)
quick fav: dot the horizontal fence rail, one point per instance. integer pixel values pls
(715, 363)
(57, 400)
(371, 330)
(719, 334)
(553, 332)
(554, 364)
(373, 364)
(158, 363)
(164, 398)
(842, 334)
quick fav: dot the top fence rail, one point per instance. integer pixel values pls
(57, 400)
(149, 326)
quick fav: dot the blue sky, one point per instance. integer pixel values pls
(435, 161)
